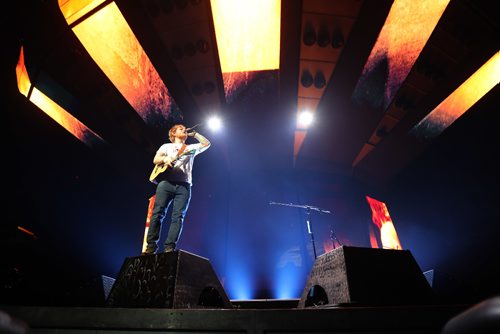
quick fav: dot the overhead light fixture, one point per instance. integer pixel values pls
(319, 80)
(337, 38)
(305, 119)
(306, 79)
(323, 36)
(309, 35)
(214, 123)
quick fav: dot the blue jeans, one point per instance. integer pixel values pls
(177, 193)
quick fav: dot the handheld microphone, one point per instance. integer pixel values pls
(191, 128)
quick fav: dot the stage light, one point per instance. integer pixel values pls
(338, 38)
(306, 79)
(214, 123)
(319, 80)
(309, 35)
(305, 119)
(323, 36)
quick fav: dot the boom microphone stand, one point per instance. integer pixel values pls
(308, 208)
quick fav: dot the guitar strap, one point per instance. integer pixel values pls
(181, 150)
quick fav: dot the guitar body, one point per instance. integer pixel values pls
(157, 170)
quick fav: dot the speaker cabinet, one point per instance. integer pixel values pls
(170, 280)
(355, 275)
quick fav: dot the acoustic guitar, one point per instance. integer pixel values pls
(158, 169)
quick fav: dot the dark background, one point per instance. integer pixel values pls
(88, 208)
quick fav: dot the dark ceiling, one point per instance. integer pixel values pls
(371, 144)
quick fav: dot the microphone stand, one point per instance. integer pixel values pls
(333, 237)
(308, 208)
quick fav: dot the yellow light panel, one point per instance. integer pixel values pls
(403, 36)
(75, 9)
(111, 43)
(56, 112)
(464, 97)
(248, 34)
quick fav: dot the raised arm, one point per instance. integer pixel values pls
(205, 143)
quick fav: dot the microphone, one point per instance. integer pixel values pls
(191, 128)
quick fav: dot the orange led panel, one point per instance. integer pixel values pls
(382, 219)
(51, 108)
(403, 36)
(23, 80)
(248, 34)
(113, 46)
(464, 97)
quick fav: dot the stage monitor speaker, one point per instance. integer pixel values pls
(359, 276)
(170, 280)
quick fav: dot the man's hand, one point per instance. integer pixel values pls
(167, 161)
(192, 133)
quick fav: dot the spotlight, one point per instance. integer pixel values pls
(214, 123)
(323, 36)
(306, 80)
(338, 38)
(309, 37)
(305, 119)
(319, 80)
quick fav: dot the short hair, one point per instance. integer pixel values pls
(172, 130)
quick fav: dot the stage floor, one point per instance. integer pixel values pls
(267, 316)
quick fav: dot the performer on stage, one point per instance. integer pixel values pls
(175, 162)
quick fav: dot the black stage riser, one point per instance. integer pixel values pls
(171, 280)
(356, 275)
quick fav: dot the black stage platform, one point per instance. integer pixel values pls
(349, 290)
(352, 319)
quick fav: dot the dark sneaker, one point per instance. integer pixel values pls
(169, 249)
(148, 252)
